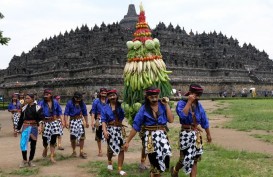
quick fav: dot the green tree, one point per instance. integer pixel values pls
(3, 40)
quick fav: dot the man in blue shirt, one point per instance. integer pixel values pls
(111, 118)
(154, 115)
(52, 122)
(76, 109)
(192, 119)
(58, 98)
(15, 108)
(97, 107)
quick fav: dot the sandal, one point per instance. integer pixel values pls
(60, 148)
(74, 154)
(23, 164)
(83, 155)
(110, 167)
(142, 167)
(174, 173)
(45, 152)
(122, 173)
(52, 160)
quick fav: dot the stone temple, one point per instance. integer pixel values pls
(86, 59)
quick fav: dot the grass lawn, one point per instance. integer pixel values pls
(266, 138)
(216, 162)
(248, 114)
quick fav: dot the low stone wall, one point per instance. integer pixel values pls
(66, 87)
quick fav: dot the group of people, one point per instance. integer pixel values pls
(107, 117)
(46, 117)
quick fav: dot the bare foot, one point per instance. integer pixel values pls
(45, 152)
(52, 160)
(100, 154)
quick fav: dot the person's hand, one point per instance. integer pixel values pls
(165, 101)
(126, 146)
(106, 134)
(192, 98)
(92, 124)
(40, 129)
(209, 138)
(63, 123)
(87, 125)
(67, 125)
(15, 133)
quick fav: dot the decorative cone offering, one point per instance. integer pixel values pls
(144, 68)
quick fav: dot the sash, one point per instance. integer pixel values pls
(25, 138)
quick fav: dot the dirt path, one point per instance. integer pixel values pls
(10, 155)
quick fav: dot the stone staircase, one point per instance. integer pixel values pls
(255, 78)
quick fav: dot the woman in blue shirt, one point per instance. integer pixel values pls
(111, 118)
(29, 120)
(154, 115)
(192, 119)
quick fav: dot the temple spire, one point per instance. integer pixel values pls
(129, 21)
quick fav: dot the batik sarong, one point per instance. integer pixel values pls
(161, 146)
(188, 146)
(115, 141)
(76, 128)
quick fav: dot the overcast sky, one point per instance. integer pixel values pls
(27, 22)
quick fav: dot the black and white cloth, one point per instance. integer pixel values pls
(15, 118)
(188, 145)
(100, 123)
(61, 126)
(76, 128)
(161, 146)
(115, 141)
(52, 128)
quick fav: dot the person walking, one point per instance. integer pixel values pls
(154, 115)
(97, 107)
(76, 110)
(14, 108)
(52, 127)
(112, 117)
(29, 121)
(192, 119)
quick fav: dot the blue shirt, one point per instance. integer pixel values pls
(144, 118)
(107, 115)
(73, 110)
(201, 117)
(97, 106)
(11, 106)
(57, 111)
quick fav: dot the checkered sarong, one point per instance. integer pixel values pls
(15, 118)
(76, 128)
(188, 143)
(115, 139)
(161, 146)
(100, 123)
(61, 126)
(52, 128)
